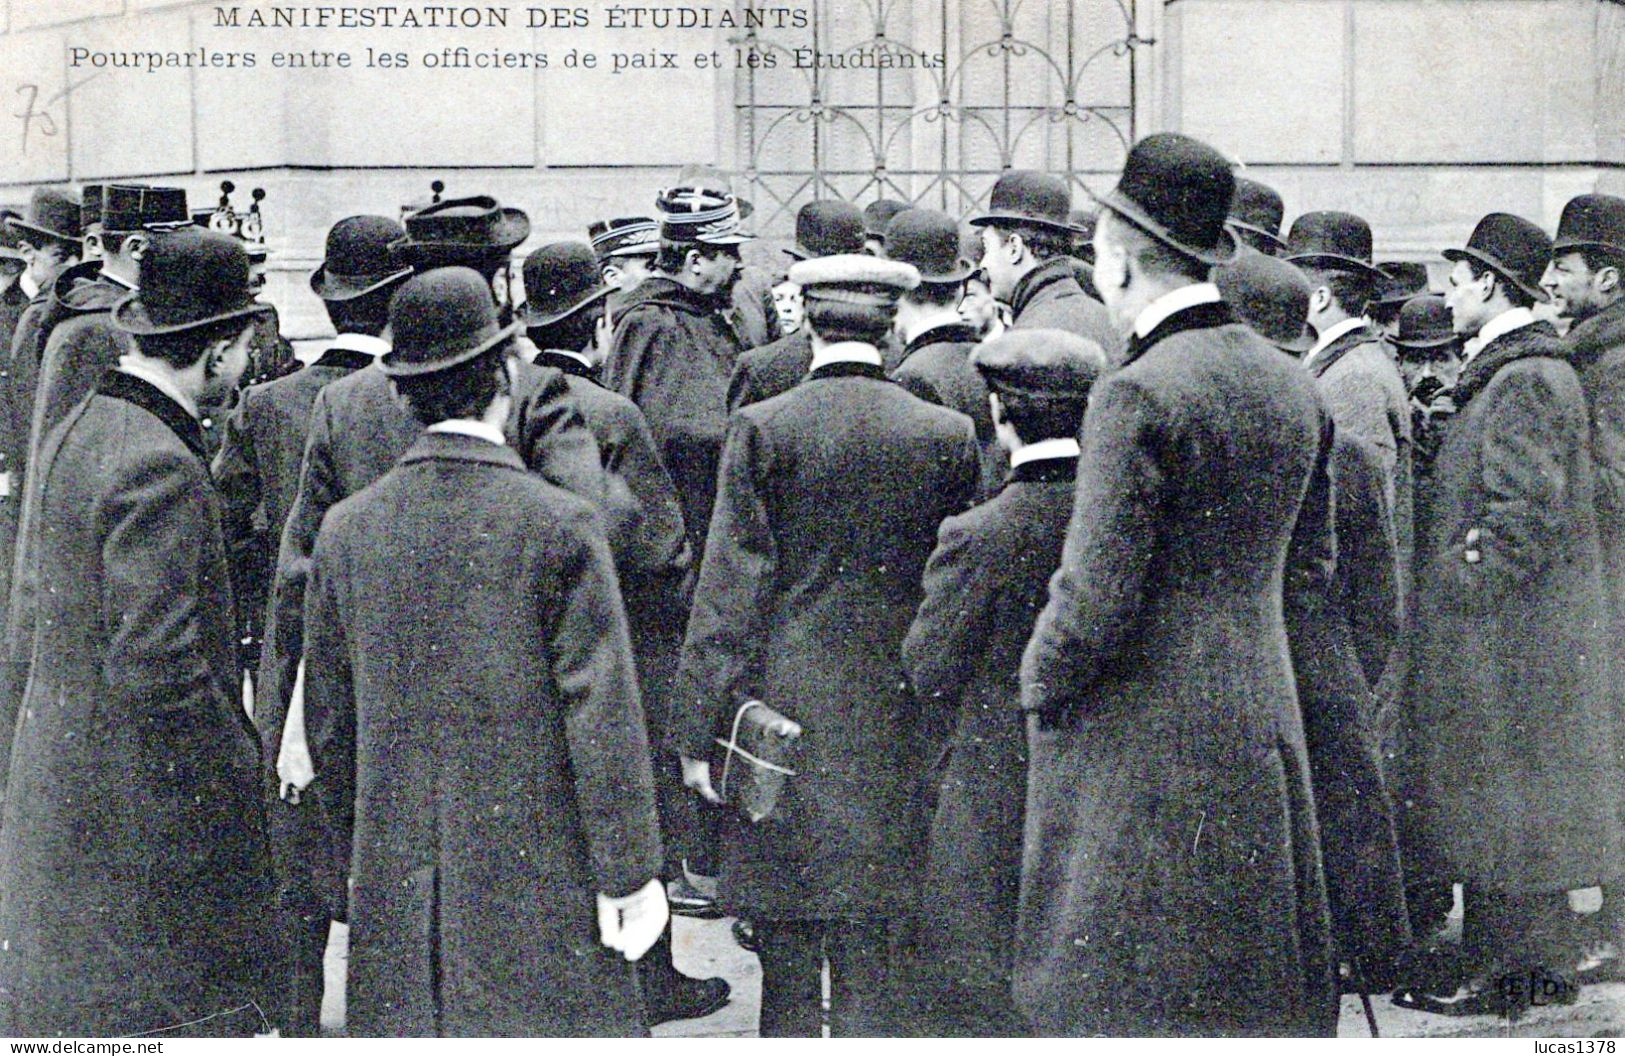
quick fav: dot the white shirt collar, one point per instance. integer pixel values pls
(846, 352)
(1152, 315)
(1333, 332)
(470, 427)
(1055, 447)
(1503, 324)
(567, 354)
(366, 344)
(158, 381)
(939, 317)
(30, 287)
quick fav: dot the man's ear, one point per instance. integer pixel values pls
(135, 245)
(1320, 299)
(1606, 280)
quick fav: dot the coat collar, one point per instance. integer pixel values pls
(1321, 360)
(1200, 317)
(848, 369)
(948, 333)
(1603, 331)
(1054, 274)
(1044, 470)
(459, 447)
(144, 394)
(566, 363)
(657, 289)
(1537, 339)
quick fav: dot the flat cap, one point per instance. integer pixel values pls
(854, 277)
(1040, 364)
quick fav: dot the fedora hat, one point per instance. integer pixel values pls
(189, 278)
(1424, 322)
(1402, 280)
(1271, 296)
(878, 213)
(705, 177)
(1591, 221)
(626, 236)
(827, 227)
(52, 213)
(560, 280)
(696, 214)
(1512, 247)
(1332, 241)
(1178, 190)
(137, 207)
(929, 240)
(357, 259)
(1022, 196)
(1256, 213)
(478, 222)
(440, 319)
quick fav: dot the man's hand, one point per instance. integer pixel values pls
(634, 923)
(697, 776)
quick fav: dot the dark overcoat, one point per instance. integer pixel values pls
(984, 587)
(936, 367)
(764, 372)
(755, 318)
(1171, 881)
(472, 704)
(1512, 767)
(134, 869)
(1049, 298)
(1367, 553)
(828, 506)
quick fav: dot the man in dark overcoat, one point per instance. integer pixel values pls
(984, 586)
(829, 500)
(135, 880)
(1511, 765)
(473, 706)
(1026, 246)
(1171, 882)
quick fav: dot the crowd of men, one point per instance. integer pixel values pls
(1048, 622)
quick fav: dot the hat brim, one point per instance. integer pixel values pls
(1129, 210)
(738, 238)
(130, 316)
(23, 227)
(959, 274)
(1468, 253)
(390, 362)
(798, 252)
(1012, 219)
(330, 287)
(1572, 244)
(1337, 262)
(512, 229)
(531, 317)
(1273, 239)
(1437, 342)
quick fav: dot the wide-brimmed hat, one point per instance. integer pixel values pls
(1424, 323)
(357, 260)
(1178, 190)
(1040, 364)
(626, 236)
(560, 280)
(137, 207)
(440, 319)
(52, 213)
(1512, 247)
(1329, 240)
(1591, 221)
(698, 215)
(1256, 213)
(1024, 197)
(1402, 280)
(878, 213)
(929, 240)
(476, 223)
(827, 227)
(1271, 296)
(188, 278)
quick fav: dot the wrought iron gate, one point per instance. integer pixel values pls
(929, 100)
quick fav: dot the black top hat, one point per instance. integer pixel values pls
(1271, 296)
(477, 223)
(52, 213)
(706, 177)
(1424, 322)
(560, 280)
(189, 278)
(357, 260)
(90, 206)
(1026, 197)
(626, 236)
(1332, 241)
(1591, 221)
(827, 227)
(441, 319)
(1256, 210)
(878, 213)
(929, 240)
(1178, 190)
(1040, 364)
(694, 214)
(1512, 247)
(1402, 280)
(137, 207)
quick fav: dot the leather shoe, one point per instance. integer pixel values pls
(685, 997)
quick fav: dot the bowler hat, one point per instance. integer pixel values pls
(189, 278)
(1402, 280)
(878, 213)
(90, 206)
(693, 214)
(137, 207)
(560, 280)
(827, 227)
(440, 319)
(52, 212)
(478, 222)
(357, 260)
(1424, 322)
(1026, 197)
(1256, 213)
(1512, 247)
(1332, 241)
(854, 278)
(1591, 221)
(929, 240)
(10, 244)
(626, 236)
(706, 177)
(1271, 296)
(1178, 190)
(1040, 364)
